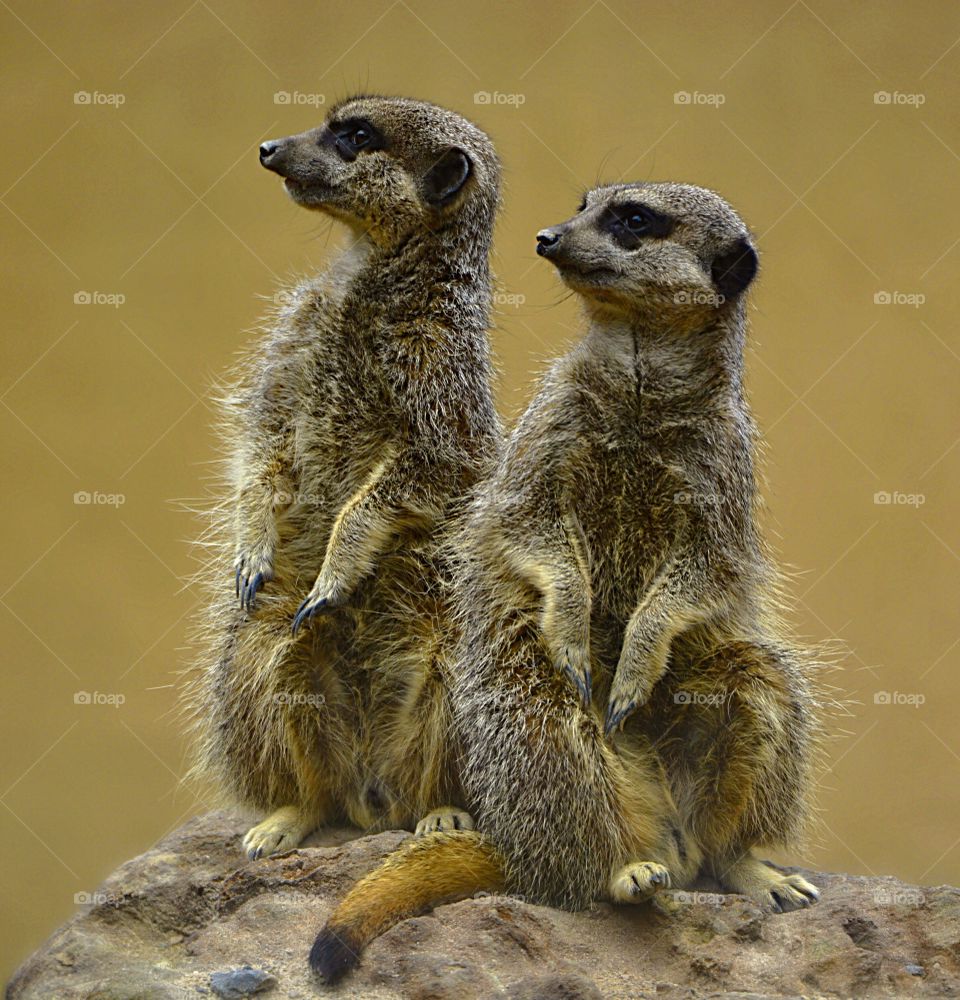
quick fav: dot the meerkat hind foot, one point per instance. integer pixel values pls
(445, 819)
(768, 887)
(638, 881)
(281, 831)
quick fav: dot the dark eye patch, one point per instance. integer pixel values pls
(352, 137)
(632, 222)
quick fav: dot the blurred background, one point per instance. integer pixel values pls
(140, 240)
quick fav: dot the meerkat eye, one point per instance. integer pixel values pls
(359, 137)
(352, 137)
(632, 224)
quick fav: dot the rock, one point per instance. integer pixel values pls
(240, 983)
(166, 926)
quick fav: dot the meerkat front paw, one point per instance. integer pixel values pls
(281, 831)
(323, 597)
(445, 819)
(792, 892)
(638, 881)
(769, 888)
(254, 568)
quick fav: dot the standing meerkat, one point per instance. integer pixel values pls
(631, 712)
(351, 430)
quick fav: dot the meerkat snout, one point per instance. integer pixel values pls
(268, 151)
(547, 241)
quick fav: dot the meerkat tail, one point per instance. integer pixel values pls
(438, 868)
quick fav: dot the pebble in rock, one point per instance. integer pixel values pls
(240, 983)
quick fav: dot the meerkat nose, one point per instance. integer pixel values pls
(267, 149)
(547, 239)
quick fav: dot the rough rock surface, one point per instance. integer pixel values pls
(163, 924)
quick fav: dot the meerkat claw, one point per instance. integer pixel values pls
(282, 831)
(308, 609)
(575, 663)
(252, 588)
(617, 716)
(444, 820)
(583, 684)
(252, 573)
(638, 881)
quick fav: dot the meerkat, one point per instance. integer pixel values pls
(631, 712)
(352, 429)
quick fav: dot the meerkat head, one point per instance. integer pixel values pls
(390, 165)
(671, 251)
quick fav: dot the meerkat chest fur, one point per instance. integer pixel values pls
(662, 450)
(379, 330)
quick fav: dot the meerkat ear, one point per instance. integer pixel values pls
(734, 268)
(447, 176)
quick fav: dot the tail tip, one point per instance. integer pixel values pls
(332, 956)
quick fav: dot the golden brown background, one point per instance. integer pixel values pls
(160, 199)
